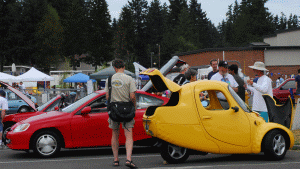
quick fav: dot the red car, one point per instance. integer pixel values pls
(11, 119)
(81, 124)
(282, 92)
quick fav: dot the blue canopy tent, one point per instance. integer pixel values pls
(79, 77)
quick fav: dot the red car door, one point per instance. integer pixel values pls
(91, 130)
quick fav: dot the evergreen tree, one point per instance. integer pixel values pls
(155, 28)
(276, 23)
(213, 35)
(222, 39)
(75, 32)
(32, 14)
(100, 34)
(199, 25)
(12, 37)
(282, 21)
(184, 32)
(292, 22)
(124, 39)
(295, 22)
(252, 23)
(175, 8)
(139, 10)
(61, 7)
(49, 38)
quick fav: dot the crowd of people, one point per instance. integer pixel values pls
(20, 86)
(257, 86)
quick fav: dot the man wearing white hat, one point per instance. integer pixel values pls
(263, 86)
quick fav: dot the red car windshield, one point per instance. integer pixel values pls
(74, 106)
(40, 108)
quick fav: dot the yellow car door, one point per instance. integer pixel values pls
(229, 126)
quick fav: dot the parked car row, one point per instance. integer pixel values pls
(206, 128)
(81, 124)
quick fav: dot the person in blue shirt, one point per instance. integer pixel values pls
(281, 80)
(297, 80)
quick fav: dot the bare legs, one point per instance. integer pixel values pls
(128, 144)
(115, 144)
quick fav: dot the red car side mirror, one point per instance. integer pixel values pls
(56, 108)
(86, 110)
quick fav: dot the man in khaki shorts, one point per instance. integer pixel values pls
(123, 90)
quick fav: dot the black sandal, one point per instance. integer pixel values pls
(130, 164)
(116, 163)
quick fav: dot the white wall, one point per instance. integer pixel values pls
(282, 57)
(284, 39)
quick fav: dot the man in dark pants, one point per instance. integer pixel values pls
(233, 70)
(297, 80)
(123, 89)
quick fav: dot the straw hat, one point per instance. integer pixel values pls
(259, 66)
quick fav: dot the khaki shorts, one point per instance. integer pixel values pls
(116, 125)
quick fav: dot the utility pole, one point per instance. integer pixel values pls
(151, 58)
(158, 55)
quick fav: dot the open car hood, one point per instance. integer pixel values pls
(20, 94)
(160, 82)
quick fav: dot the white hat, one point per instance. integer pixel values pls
(259, 66)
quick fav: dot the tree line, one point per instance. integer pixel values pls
(43, 33)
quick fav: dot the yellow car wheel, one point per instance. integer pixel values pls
(275, 146)
(174, 154)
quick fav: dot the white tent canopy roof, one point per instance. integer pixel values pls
(8, 78)
(35, 75)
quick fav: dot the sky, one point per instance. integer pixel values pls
(216, 9)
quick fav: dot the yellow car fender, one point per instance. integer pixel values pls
(263, 129)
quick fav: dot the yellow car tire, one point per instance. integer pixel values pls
(275, 145)
(174, 154)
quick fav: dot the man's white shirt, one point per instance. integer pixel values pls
(263, 86)
(3, 103)
(228, 78)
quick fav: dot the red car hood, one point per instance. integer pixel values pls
(45, 116)
(20, 94)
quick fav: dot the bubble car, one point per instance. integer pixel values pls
(196, 118)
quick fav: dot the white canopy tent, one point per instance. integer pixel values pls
(8, 78)
(35, 75)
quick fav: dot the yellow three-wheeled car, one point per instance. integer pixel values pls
(218, 123)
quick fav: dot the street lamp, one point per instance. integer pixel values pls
(151, 58)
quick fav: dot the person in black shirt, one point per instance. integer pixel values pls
(214, 65)
(181, 78)
(233, 70)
